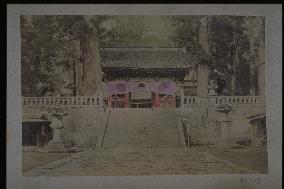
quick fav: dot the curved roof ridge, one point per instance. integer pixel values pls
(145, 57)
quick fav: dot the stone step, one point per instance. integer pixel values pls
(142, 128)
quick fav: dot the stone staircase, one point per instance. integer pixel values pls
(142, 128)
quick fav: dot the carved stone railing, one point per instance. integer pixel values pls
(61, 101)
(237, 100)
(190, 101)
(186, 101)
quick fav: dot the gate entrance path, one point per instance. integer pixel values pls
(142, 128)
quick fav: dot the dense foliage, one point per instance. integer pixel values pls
(47, 44)
(229, 45)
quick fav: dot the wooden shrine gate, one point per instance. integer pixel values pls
(141, 94)
(130, 101)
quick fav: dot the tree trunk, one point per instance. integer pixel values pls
(252, 79)
(203, 34)
(74, 89)
(228, 87)
(88, 68)
(78, 68)
(252, 58)
(234, 59)
(203, 73)
(93, 67)
(234, 66)
(261, 60)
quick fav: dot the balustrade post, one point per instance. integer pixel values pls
(101, 101)
(157, 100)
(109, 101)
(182, 99)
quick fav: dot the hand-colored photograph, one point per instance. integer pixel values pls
(110, 95)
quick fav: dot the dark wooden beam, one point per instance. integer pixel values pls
(142, 72)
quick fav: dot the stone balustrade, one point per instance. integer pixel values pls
(61, 101)
(236, 100)
(186, 101)
(189, 101)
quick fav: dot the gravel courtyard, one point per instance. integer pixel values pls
(139, 161)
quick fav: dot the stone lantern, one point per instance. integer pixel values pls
(226, 119)
(56, 144)
(212, 88)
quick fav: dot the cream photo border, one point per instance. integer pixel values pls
(273, 42)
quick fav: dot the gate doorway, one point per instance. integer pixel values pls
(36, 133)
(141, 98)
(143, 103)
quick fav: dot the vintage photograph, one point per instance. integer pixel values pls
(141, 95)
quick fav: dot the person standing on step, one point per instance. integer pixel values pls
(188, 139)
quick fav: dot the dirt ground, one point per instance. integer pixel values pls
(250, 157)
(195, 160)
(138, 162)
(31, 160)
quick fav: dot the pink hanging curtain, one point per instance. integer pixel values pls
(166, 87)
(122, 87)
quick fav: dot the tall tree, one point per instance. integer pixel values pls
(229, 44)
(41, 51)
(48, 46)
(255, 33)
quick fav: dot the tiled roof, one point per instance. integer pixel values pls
(145, 58)
(57, 84)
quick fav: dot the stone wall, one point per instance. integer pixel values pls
(218, 128)
(84, 127)
(228, 128)
(196, 124)
(85, 124)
